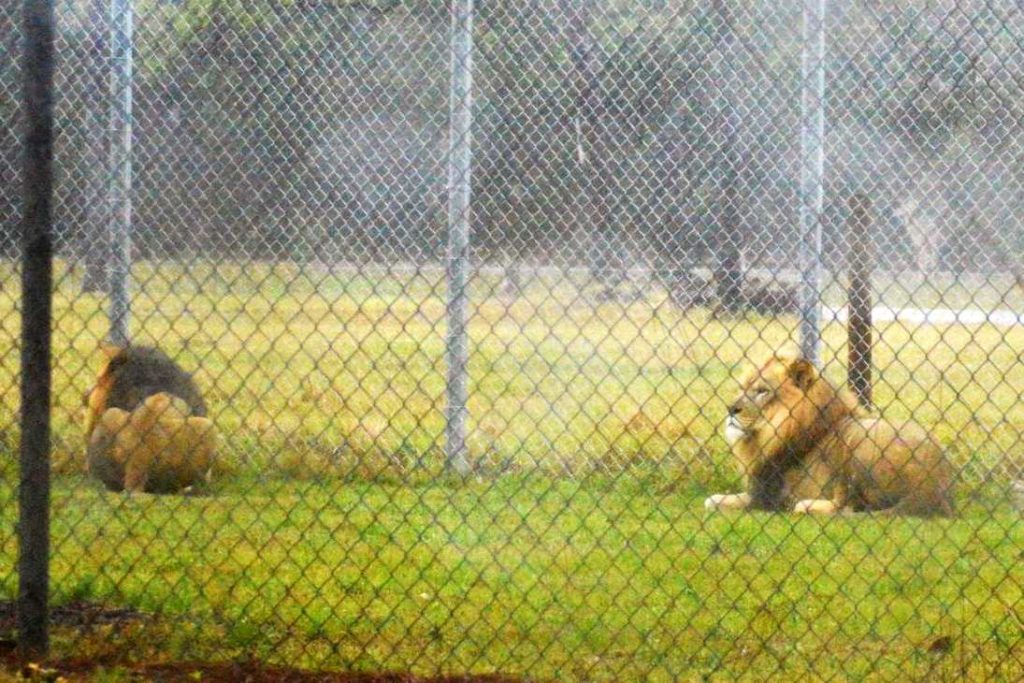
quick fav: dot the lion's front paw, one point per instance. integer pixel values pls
(714, 502)
(727, 501)
(814, 506)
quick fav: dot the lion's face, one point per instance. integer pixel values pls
(95, 398)
(769, 393)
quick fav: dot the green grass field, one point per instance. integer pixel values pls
(578, 550)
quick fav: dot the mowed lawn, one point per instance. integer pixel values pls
(579, 549)
(555, 579)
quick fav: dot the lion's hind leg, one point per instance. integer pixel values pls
(836, 503)
(919, 506)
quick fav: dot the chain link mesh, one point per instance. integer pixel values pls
(635, 241)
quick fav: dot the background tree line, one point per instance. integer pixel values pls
(608, 133)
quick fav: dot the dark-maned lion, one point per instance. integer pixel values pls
(145, 424)
(803, 444)
(130, 374)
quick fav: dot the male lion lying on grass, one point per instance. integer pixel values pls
(145, 424)
(803, 444)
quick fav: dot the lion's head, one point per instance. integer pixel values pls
(95, 398)
(784, 403)
(128, 375)
(803, 444)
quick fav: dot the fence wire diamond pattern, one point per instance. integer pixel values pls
(642, 225)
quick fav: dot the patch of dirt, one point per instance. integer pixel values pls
(84, 615)
(78, 614)
(233, 672)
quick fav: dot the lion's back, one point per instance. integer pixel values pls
(143, 371)
(897, 465)
(158, 447)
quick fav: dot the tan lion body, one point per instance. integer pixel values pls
(805, 445)
(158, 447)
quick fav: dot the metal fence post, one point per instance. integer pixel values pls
(812, 164)
(120, 214)
(459, 188)
(37, 314)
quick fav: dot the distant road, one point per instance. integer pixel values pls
(934, 316)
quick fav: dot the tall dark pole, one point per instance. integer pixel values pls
(728, 213)
(36, 311)
(859, 324)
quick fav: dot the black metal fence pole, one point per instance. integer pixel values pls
(36, 293)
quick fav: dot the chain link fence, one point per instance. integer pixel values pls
(468, 421)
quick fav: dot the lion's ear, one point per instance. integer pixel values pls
(110, 350)
(802, 372)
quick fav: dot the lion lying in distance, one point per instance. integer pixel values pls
(803, 444)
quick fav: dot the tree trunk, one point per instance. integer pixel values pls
(511, 278)
(861, 258)
(590, 123)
